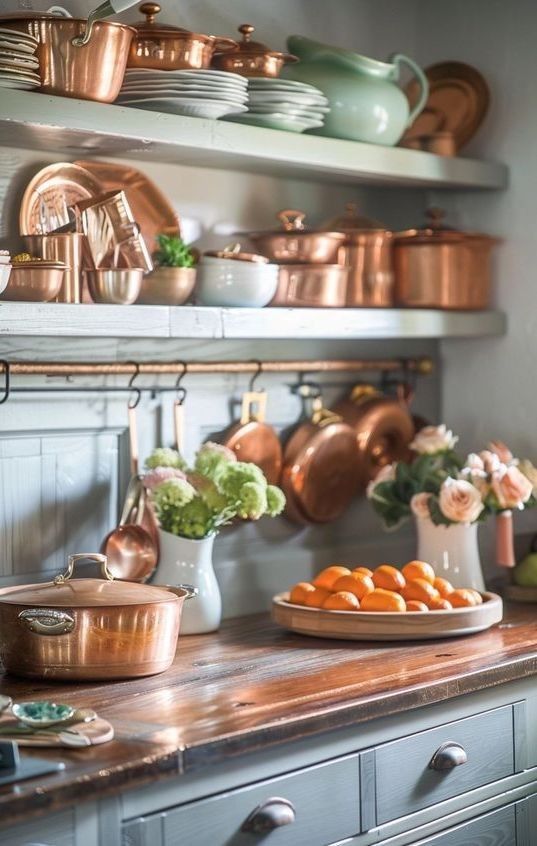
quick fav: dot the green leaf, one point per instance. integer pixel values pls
(173, 252)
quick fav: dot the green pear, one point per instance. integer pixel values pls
(525, 573)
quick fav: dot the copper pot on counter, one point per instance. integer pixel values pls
(161, 47)
(252, 58)
(368, 253)
(311, 286)
(82, 629)
(293, 243)
(439, 267)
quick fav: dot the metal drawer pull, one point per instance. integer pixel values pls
(448, 756)
(271, 814)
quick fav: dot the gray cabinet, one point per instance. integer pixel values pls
(498, 828)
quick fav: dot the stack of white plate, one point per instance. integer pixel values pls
(284, 104)
(5, 269)
(19, 66)
(196, 93)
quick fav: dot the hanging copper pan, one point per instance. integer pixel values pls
(251, 439)
(383, 429)
(320, 467)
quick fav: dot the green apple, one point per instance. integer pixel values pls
(525, 573)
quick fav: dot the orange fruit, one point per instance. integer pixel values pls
(363, 571)
(389, 578)
(443, 587)
(342, 600)
(477, 595)
(439, 603)
(416, 605)
(356, 583)
(316, 597)
(297, 594)
(418, 570)
(383, 600)
(327, 577)
(419, 589)
(463, 598)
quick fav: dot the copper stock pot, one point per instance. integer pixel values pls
(82, 629)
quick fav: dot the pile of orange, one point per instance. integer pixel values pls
(414, 588)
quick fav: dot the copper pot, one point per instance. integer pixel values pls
(252, 58)
(295, 244)
(163, 47)
(368, 253)
(311, 286)
(82, 629)
(71, 249)
(254, 440)
(438, 267)
(383, 429)
(89, 71)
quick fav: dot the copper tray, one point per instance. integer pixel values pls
(49, 194)
(458, 102)
(150, 208)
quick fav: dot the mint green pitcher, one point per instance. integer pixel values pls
(366, 103)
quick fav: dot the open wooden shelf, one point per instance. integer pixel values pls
(81, 128)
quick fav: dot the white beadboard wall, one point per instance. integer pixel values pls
(63, 458)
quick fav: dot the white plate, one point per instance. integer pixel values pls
(283, 85)
(11, 61)
(190, 108)
(201, 75)
(182, 86)
(13, 82)
(169, 93)
(315, 112)
(178, 90)
(276, 121)
(292, 99)
(18, 46)
(21, 73)
(16, 35)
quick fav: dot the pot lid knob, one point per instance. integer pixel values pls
(435, 217)
(150, 10)
(246, 30)
(292, 220)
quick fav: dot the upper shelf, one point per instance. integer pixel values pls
(81, 128)
(69, 321)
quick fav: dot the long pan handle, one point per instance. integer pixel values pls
(133, 440)
(179, 425)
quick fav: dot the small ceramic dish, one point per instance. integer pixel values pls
(42, 714)
(253, 287)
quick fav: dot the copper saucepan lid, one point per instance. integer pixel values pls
(247, 47)
(252, 439)
(151, 28)
(292, 224)
(235, 253)
(436, 232)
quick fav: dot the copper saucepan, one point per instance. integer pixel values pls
(293, 243)
(82, 629)
(320, 467)
(252, 58)
(252, 439)
(383, 429)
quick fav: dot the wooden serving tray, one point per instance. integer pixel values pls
(383, 625)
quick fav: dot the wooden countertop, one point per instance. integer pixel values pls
(253, 685)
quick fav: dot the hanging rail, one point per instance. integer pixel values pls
(423, 366)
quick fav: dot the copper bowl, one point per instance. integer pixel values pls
(115, 286)
(295, 243)
(251, 58)
(35, 281)
(170, 286)
(91, 72)
(311, 286)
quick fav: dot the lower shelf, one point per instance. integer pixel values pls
(59, 320)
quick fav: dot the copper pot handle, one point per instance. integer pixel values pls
(84, 556)
(292, 220)
(47, 621)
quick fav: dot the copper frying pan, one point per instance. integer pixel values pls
(251, 439)
(383, 429)
(320, 467)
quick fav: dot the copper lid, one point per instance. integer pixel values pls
(292, 224)
(351, 221)
(438, 232)
(153, 29)
(233, 251)
(257, 48)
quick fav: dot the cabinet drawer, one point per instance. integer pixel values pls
(325, 809)
(56, 830)
(495, 829)
(404, 781)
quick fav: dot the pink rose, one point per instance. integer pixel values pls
(491, 461)
(510, 487)
(161, 474)
(385, 474)
(420, 505)
(502, 451)
(460, 501)
(530, 472)
(433, 439)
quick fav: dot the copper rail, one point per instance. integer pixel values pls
(423, 366)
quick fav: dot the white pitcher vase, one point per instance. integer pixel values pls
(186, 561)
(453, 551)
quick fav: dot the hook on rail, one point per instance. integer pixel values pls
(7, 380)
(180, 390)
(252, 386)
(135, 394)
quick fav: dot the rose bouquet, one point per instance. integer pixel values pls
(438, 485)
(196, 502)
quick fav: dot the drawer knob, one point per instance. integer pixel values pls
(448, 756)
(271, 814)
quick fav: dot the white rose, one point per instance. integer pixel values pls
(420, 505)
(460, 501)
(474, 463)
(491, 461)
(433, 439)
(530, 472)
(385, 474)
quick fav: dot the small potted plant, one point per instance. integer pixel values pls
(173, 279)
(192, 505)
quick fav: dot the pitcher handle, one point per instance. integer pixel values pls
(401, 59)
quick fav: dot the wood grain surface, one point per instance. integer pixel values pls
(251, 686)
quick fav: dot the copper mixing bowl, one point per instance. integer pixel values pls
(35, 281)
(167, 286)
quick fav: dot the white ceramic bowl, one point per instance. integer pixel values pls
(5, 270)
(253, 286)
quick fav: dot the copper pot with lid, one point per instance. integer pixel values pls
(252, 58)
(161, 47)
(81, 629)
(294, 243)
(441, 267)
(368, 253)
(383, 429)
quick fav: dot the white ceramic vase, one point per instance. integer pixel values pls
(453, 551)
(186, 561)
